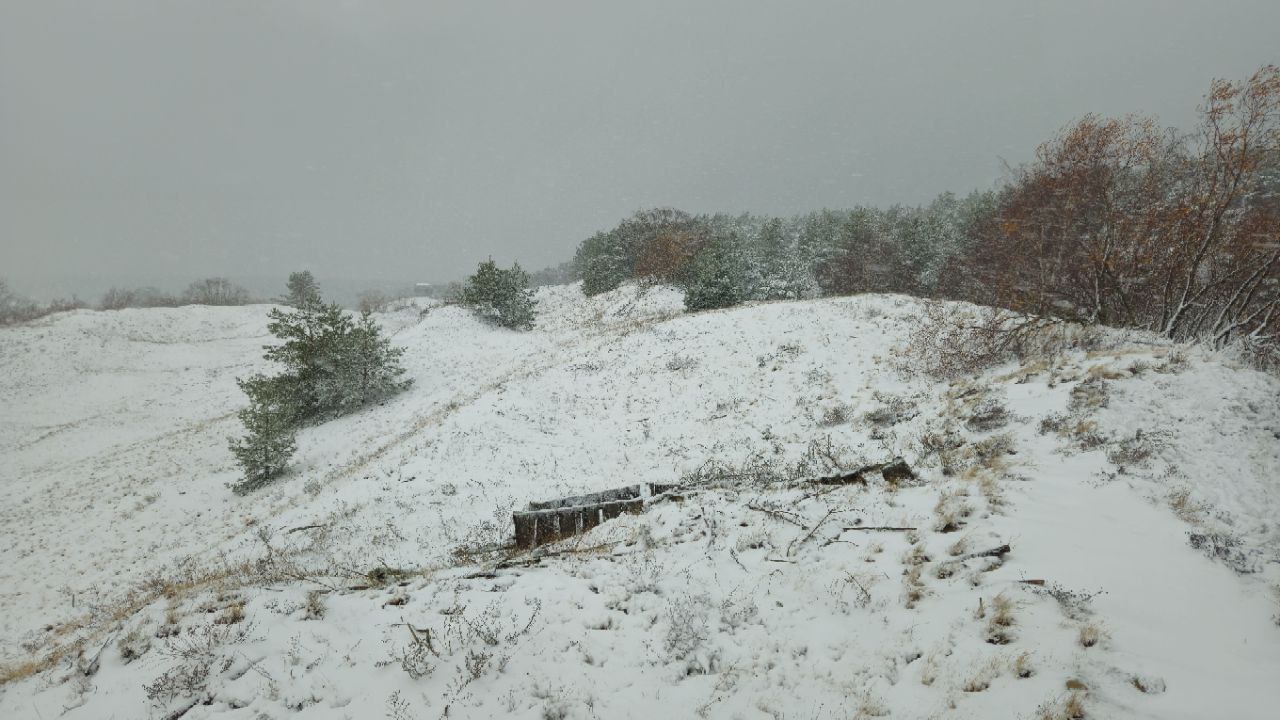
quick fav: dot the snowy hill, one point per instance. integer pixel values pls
(1136, 488)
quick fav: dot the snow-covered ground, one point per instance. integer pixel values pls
(1140, 486)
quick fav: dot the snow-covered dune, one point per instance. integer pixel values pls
(372, 580)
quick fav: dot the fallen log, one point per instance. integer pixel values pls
(993, 552)
(896, 472)
(996, 552)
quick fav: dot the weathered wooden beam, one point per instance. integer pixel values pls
(539, 527)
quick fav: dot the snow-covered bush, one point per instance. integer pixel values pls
(118, 298)
(16, 309)
(721, 276)
(501, 296)
(215, 291)
(270, 438)
(990, 414)
(333, 365)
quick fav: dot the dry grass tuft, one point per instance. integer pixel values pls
(951, 512)
(1090, 634)
(1022, 667)
(1000, 620)
(233, 614)
(21, 670)
(1073, 708)
(1091, 394)
(913, 587)
(982, 679)
(1187, 510)
(1070, 708)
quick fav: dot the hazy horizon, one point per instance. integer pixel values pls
(150, 142)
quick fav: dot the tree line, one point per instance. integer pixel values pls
(1116, 221)
(15, 308)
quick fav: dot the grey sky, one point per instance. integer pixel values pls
(164, 139)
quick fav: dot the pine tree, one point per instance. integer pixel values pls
(312, 354)
(482, 289)
(515, 300)
(332, 366)
(604, 262)
(786, 268)
(269, 440)
(370, 369)
(501, 296)
(720, 277)
(302, 290)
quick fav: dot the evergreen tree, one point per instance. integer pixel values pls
(604, 262)
(786, 268)
(720, 277)
(370, 369)
(269, 440)
(315, 338)
(333, 365)
(302, 289)
(515, 300)
(501, 296)
(482, 289)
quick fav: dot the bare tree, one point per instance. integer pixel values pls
(1120, 222)
(1221, 276)
(215, 291)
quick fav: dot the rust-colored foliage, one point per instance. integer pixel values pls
(666, 255)
(1121, 222)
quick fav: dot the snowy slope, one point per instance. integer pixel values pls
(744, 597)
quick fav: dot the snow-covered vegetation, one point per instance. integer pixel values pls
(1117, 221)
(1089, 529)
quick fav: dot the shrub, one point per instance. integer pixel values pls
(719, 278)
(270, 438)
(501, 296)
(144, 297)
(657, 244)
(17, 309)
(333, 364)
(372, 301)
(989, 415)
(215, 291)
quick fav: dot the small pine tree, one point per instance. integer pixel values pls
(303, 290)
(515, 300)
(720, 279)
(603, 262)
(315, 336)
(270, 439)
(482, 289)
(501, 296)
(370, 369)
(333, 366)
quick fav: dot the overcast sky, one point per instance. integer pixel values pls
(401, 139)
